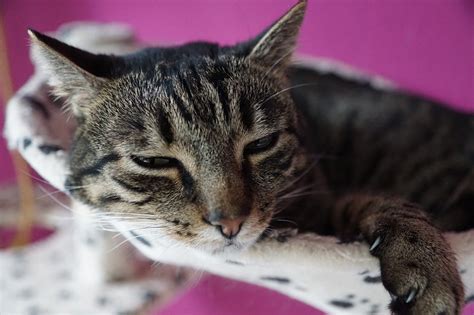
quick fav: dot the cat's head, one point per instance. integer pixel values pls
(185, 145)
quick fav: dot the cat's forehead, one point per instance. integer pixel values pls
(215, 93)
(199, 104)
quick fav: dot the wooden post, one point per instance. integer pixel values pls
(26, 213)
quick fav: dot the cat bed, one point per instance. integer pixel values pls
(320, 271)
(43, 278)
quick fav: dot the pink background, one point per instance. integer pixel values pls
(423, 45)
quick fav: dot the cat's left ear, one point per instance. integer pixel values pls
(276, 44)
(75, 74)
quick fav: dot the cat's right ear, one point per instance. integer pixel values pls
(75, 75)
(275, 45)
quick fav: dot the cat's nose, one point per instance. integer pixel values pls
(229, 227)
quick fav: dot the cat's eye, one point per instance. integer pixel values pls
(155, 162)
(261, 144)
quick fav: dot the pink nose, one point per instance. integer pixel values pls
(229, 227)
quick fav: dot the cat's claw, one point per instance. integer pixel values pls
(410, 296)
(424, 283)
(376, 243)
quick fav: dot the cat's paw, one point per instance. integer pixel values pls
(418, 269)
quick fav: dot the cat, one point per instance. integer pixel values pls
(206, 139)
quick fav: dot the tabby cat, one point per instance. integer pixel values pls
(207, 139)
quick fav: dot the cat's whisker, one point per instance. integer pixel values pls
(295, 191)
(277, 62)
(55, 192)
(120, 244)
(308, 169)
(169, 245)
(155, 264)
(131, 215)
(28, 173)
(302, 194)
(126, 218)
(147, 228)
(309, 193)
(197, 279)
(133, 222)
(57, 200)
(285, 90)
(280, 209)
(49, 194)
(136, 220)
(119, 215)
(128, 238)
(60, 218)
(285, 220)
(268, 229)
(59, 191)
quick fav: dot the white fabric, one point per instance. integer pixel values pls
(46, 277)
(338, 278)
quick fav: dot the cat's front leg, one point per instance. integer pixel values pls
(418, 266)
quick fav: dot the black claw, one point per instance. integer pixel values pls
(375, 244)
(410, 296)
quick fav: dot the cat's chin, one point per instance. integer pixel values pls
(216, 245)
(226, 250)
(232, 248)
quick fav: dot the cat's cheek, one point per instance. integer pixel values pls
(271, 180)
(257, 222)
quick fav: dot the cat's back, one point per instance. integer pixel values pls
(386, 141)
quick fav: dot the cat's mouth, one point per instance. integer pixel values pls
(230, 243)
(236, 245)
(229, 247)
(207, 239)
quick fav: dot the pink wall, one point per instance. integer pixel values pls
(424, 45)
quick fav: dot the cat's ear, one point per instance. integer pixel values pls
(275, 45)
(75, 75)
